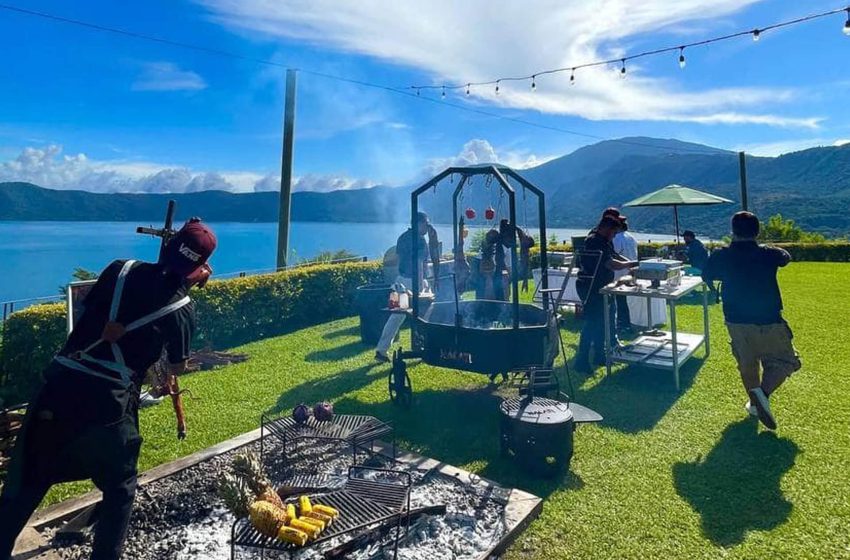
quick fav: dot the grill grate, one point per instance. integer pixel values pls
(361, 503)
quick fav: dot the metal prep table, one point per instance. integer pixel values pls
(667, 350)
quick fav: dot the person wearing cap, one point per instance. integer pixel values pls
(83, 421)
(626, 246)
(695, 250)
(406, 269)
(752, 307)
(597, 264)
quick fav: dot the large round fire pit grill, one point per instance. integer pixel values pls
(538, 433)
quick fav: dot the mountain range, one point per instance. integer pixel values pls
(810, 186)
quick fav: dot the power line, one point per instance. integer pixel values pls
(755, 33)
(400, 91)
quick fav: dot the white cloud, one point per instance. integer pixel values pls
(48, 167)
(464, 41)
(167, 76)
(478, 151)
(841, 142)
(773, 149)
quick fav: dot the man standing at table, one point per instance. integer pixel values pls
(597, 264)
(626, 246)
(695, 250)
(752, 306)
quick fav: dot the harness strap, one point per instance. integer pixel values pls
(73, 364)
(158, 314)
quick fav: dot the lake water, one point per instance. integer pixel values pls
(38, 257)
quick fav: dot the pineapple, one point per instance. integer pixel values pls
(235, 493)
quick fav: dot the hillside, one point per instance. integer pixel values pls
(811, 187)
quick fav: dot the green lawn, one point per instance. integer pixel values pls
(665, 475)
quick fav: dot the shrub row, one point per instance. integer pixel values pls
(229, 312)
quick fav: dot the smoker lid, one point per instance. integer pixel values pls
(536, 411)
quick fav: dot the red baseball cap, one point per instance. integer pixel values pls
(190, 248)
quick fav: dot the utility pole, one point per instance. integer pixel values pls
(286, 171)
(742, 163)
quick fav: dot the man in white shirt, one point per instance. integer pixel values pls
(626, 246)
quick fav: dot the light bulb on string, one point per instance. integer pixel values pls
(534, 83)
(443, 95)
(756, 35)
(417, 92)
(682, 62)
(573, 77)
(497, 86)
(467, 89)
(847, 24)
(623, 69)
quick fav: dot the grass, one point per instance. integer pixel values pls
(665, 475)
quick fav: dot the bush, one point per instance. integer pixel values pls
(229, 312)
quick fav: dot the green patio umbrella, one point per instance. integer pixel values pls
(675, 196)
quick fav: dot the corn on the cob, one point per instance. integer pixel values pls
(313, 521)
(291, 535)
(326, 519)
(290, 511)
(306, 506)
(302, 525)
(267, 518)
(272, 497)
(327, 510)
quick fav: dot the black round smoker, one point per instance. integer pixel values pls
(538, 433)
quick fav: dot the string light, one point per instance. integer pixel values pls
(847, 24)
(756, 35)
(444, 92)
(573, 77)
(623, 69)
(534, 83)
(417, 92)
(682, 62)
(497, 86)
(467, 89)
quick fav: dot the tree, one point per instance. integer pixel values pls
(778, 229)
(78, 275)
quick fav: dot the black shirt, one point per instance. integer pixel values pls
(697, 253)
(750, 289)
(597, 249)
(147, 288)
(404, 250)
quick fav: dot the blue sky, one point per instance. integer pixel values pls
(87, 109)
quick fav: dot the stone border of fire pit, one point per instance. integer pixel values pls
(521, 508)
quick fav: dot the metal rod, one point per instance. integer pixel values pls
(286, 171)
(455, 232)
(514, 260)
(742, 164)
(676, 216)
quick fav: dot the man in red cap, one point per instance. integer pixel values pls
(83, 422)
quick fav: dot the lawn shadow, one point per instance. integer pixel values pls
(336, 353)
(458, 427)
(339, 333)
(736, 487)
(328, 387)
(634, 399)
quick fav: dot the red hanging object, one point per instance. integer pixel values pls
(470, 213)
(489, 213)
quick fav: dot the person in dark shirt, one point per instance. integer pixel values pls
(406, 269)
(597, 263)
(83, 422)
(752, 307)
(695, 250)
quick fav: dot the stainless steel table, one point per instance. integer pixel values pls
(666, 350)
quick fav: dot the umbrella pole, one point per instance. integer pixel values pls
(676, 215)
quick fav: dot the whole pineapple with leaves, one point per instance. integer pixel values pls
(249, 467)
(236, 494)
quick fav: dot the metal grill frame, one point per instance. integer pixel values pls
(365, 502)
(352, 429)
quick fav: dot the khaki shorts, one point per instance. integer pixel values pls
(768, 345)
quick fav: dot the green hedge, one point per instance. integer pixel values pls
(229, 312)
(835, 251)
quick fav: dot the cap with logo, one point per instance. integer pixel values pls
(190, 248)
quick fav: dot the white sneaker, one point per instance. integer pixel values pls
(759, 399)
(751, 410)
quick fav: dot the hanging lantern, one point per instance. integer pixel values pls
(489, 213)
(470, 213)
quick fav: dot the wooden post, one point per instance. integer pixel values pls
(742, 159)
(286, 171)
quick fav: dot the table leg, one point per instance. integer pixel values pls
(606, 299)
(675, 342)
(706, 330)
(649, 322)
